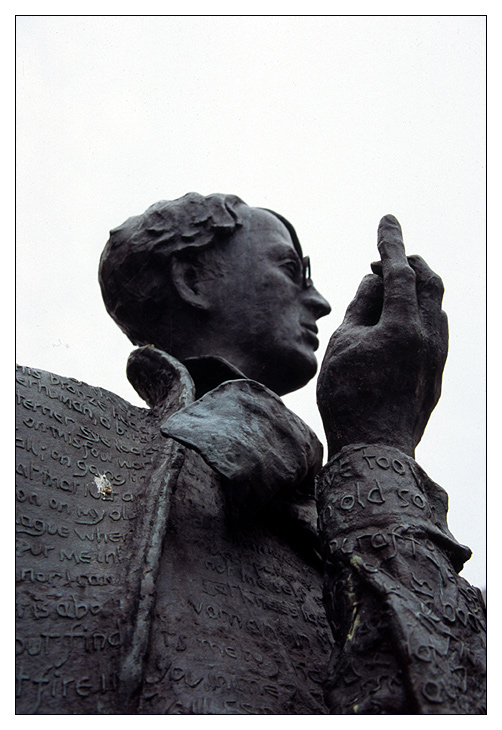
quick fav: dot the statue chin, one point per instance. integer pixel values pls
(299, 370)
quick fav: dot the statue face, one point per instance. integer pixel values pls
(266, 312)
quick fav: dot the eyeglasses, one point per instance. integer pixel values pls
(307, 281)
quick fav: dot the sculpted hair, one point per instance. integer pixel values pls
(133, 269)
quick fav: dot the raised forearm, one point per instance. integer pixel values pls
(409, 631)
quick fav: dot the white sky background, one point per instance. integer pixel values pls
(330, 121)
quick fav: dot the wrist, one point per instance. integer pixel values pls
(345, 430)
(367, 463)
(378, 492)
(364, 481)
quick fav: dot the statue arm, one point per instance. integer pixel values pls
(408, 630)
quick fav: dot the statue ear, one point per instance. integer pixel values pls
(189, 280)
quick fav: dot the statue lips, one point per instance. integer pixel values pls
(311, 331)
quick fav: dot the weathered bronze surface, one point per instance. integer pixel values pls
(181, 558)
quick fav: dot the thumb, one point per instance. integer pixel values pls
(366, 307)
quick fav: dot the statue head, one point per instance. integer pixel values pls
(212, 276)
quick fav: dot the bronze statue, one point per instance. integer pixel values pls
(196, 557)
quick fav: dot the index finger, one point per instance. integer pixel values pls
(400, 295)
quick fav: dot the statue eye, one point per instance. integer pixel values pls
(293, 269)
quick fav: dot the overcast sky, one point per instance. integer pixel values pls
(330, 121)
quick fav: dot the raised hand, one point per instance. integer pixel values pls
(381, 376)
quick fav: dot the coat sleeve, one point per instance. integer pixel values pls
(409, 631)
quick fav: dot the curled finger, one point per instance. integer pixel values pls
(430, 292)
(429, 284)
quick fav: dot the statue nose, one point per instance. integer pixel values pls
(317, 303)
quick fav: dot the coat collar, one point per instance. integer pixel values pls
(264, 453)
(167, 385)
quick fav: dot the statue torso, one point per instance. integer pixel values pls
(135, 592)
